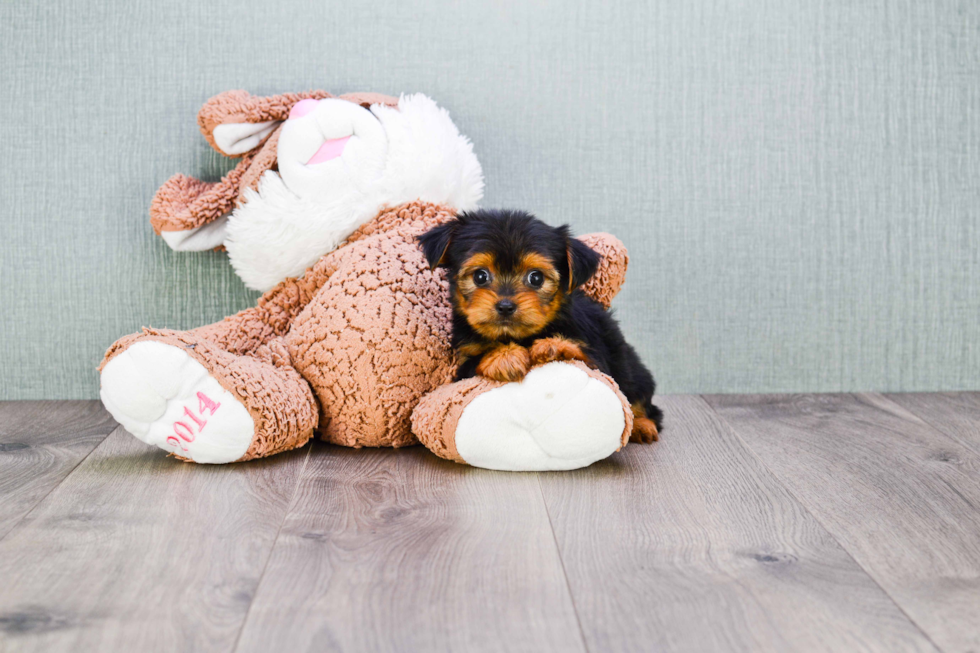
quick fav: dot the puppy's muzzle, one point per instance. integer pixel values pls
(506, 307)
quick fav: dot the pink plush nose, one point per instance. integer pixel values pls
(330, 149)
(302, 108)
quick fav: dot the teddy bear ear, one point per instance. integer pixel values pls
(236, 122)
(608, 278)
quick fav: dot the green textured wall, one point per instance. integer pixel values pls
(797, 181)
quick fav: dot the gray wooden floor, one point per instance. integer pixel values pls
(758, 523)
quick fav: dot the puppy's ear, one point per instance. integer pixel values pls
(583, 261)
(435, 243)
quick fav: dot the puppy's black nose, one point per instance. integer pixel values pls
(506, 307)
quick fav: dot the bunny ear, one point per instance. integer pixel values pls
(190, 214)
(237, 138)
(236, 122)
(184, 203)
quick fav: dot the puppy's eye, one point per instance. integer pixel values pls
(481, 277)
(534, 279)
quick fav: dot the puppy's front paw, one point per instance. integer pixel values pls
(644, 431)
(506, 363)
(557, 348)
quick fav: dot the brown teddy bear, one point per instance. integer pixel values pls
(351, 338)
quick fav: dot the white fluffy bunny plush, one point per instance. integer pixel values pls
(338, 162)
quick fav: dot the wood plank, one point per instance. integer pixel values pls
(957, 414)
(900, 496)
(40, 443)
(137, 551)
(397, 550)
(690, 544)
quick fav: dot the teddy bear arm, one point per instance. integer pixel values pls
(247, 330)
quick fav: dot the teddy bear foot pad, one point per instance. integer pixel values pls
(557, 418)
(164, 397)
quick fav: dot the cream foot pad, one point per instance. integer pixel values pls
(557, 418)
(164, 397)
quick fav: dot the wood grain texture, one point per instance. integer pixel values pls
(692, 545)
(40, 443)
(957, 414)
(901, 497)
(780, 523)
(397, 550)
(137, 551)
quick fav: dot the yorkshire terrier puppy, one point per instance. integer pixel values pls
(515, 289)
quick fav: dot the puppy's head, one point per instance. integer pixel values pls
(509, 272)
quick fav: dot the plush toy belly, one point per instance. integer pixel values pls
(374, 341)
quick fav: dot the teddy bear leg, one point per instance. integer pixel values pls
(189, 397)
(563, 415)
